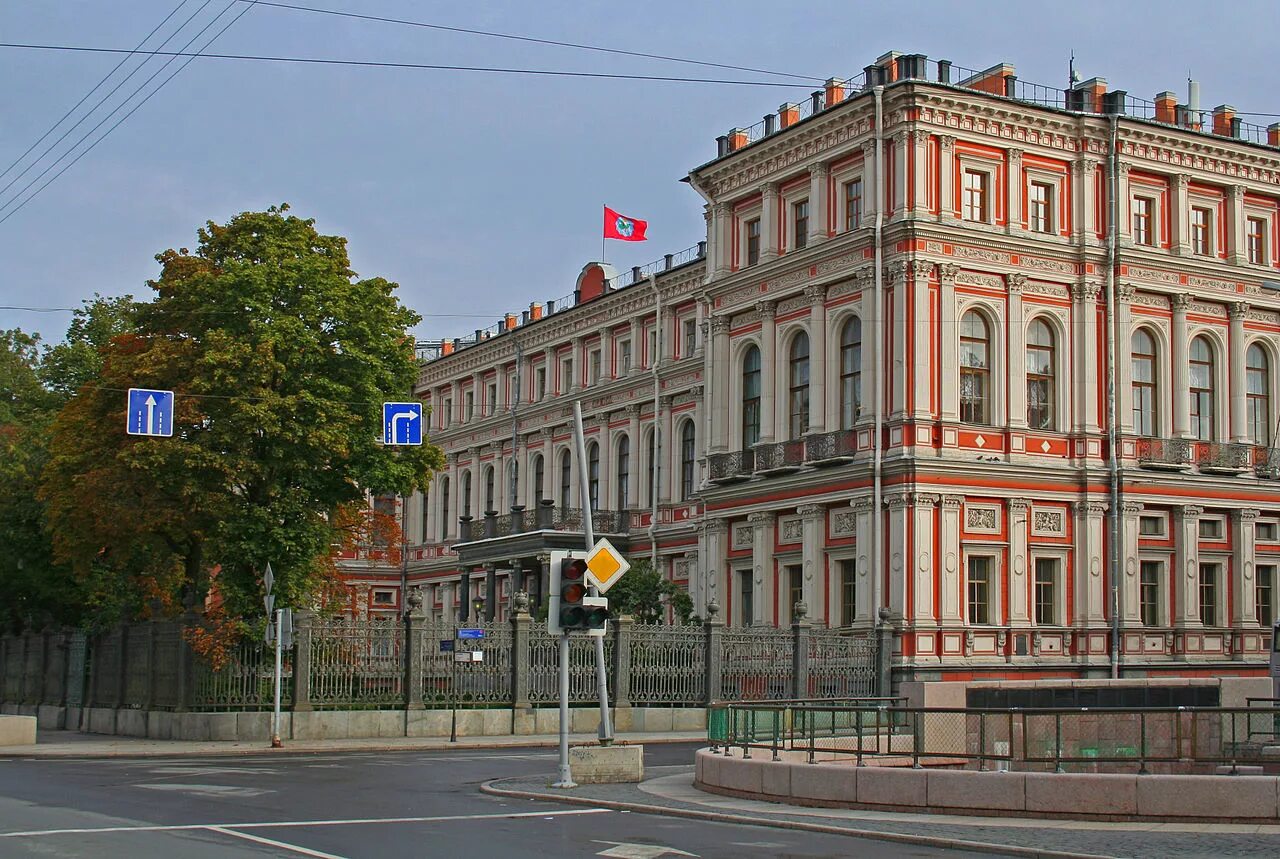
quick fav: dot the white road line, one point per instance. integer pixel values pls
(283, 845)
(284, 824)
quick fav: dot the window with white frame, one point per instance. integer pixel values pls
(623, 472)
(751, 397)
(540, 392)
(798, 386)
(384, 599)
(1040, 207)
(690, 337)
(471, 405)
(1144, 390)
(850, 372)
(1255, 240)
(746, 593)
(1258, 394)
(975, 369)
(853, 203)
(980, 589)
(624, 356)
(1264, 594)
(688, 460)
(800, 224)
(1202, 390)
(1150, 574)
(491, 399)
(1047, 591)
(752, 230)
(1040, 385)
(1144, 214)
(975, 199)
(1208, 592)
(1211, 527)
(848, 591)
(566, 375)
(1266, 531)
(446, 417)
(1201, 230)
(596, 366)
(1152, 525)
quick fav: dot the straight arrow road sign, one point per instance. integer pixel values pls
(402, 423)
(150, 412)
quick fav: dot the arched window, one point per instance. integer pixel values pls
(488, 490)
(1145, 416)
(1040, 393)
(624, 471)
(975, 369)
(850, 372)
(1202, 403)
(751, 397)
(593, 475)
(687, 449)
(466, 493)
(539, 474)
(1257, 388)
(444, 508)
(653, 470)
(566, 479)
(798, 381)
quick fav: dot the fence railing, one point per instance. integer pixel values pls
(1167, 740)
(389, 663)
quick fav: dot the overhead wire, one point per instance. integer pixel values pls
(30, 309)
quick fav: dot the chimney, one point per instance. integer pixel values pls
(509, 320)
(815, 101)
(889, 62)
(834, 91)
(770, 123)
(1086, 96)
(737, 139)
(446, 347)
(535, 311)
(788, 114)
(1167, 108)
(722, 146)
(524, 317)
(666, 260)
(913, 66)
(1113, 102)
(551, 307)
(702, 245)
(635, 274)
(991, 80)
(1273, 134)
(944, 71)
(1222, 116)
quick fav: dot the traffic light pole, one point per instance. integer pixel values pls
(602, 684)
(275, 712)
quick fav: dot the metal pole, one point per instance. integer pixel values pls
(566, 778)
(656, 466)
(453, 691)
(275, 714)
(1113, 440)
(605, 732)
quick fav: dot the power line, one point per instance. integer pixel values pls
(132, 110)
(151, 309)
(85, 97)
(517, 38)
(323, 61)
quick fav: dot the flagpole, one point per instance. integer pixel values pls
(602, 238)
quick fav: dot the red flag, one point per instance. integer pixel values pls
(621, 227)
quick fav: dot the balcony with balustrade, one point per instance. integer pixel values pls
(1164, 454)
(831, 448)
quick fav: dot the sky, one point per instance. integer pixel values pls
(477, 192)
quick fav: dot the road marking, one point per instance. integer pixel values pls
(627, 850)
(214, 791)
(283, 845)
(285, 824)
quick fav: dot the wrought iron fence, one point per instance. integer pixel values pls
(544, 667)
(756, 665)
(1215, 456)
(1164, 452)
(841, 665)
(356, 662)
(780, 455)
(245, 682)
(840, 444)
(668, 664)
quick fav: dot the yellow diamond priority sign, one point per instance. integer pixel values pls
(605, 565)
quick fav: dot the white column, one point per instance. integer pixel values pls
(548, 467)
(636, 476)
(871, 340)
(1243, 569)
(637, 346)
(701, 310)
(895, 282)
(819, 176)
(921, 312)
(817, 296)
(1084, 316)
(899, 178)
(770, 221)
(1236, 250)
(713, 554)
(813, 526)
(449, 528)
(579, 354)
(1124, 356)
(1090, 595)
(721, 252)
(1180, 214)
(920, 172)
(870, 190)
(1083, 207)
(477, 392)
(1013, 192)
(897, 550)
(1130, 585)
(921, 561)
(950, 576)
(1238, 431)
(1181, 369)
(607, 370)
(1184, 573)
(950, 325)
(947, 178)
(1017, 340)
(1124, 205)
(719, 365)
(762, 572)
(477, 485)
(669, 454)
(768, 362)
(1019, 510)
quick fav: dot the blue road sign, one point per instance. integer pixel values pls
(471, 633)
(402, 423)
(150, 412)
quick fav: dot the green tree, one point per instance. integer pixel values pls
(280, 358)
(643, 593)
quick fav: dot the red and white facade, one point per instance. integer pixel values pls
(953, 257)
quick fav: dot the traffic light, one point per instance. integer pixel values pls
(571, 609)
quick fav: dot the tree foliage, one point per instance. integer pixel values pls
(280, 358)
(645, 594)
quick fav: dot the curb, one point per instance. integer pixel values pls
(491, 787)
(69, 752)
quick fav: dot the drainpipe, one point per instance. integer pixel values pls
(877, 571)
(1113, 238)
(656, 465)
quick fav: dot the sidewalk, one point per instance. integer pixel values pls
(73, 744)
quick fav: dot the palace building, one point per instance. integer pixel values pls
(991, 363)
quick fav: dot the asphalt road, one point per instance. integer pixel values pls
(394, 804)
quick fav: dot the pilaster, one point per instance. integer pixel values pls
(895, 280)
(1017, 339)
(922, 370)
(817, 295)
(768, 363)
(1013, 191)
(1180, 214)
(1239, 430)
(1178, 352)
(1130, 585)
(763, 578)
(951, 582)
(1089, 584)
(1019, 509)
(1243, 569)
(770, 222)
(950, 371)
(819, 220)
(813, 524)
(1237, 253)
(946, 178)
(1185, 571)
(923, 564)
(898, 551)
(1084, 313)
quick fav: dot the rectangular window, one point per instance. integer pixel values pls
(800, 223)
(1150, 593)
(1143, 218)
(690, 337)
(471, 405)
(624, 356)
(848, 592)
(746, 608)
(1046, 591)
(1209, 594)
(653, 346)
(1151, 526)
(1264, 595)
(447, 417)
(1266, 532)
(1040, 207)
(1210, 529)
(975, 196)
(979, 589)
(1256, 241)
(1201, 225)
(795, 590)
(491, 399)
(596, 367)
(853, 204)
(542, 383)
(384, 598)
(753, 241)
(566, 375)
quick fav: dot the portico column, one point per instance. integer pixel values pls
(1181, 369)
(1013, 192)
(723, 373)
(770, 224)
(1017, 340)
(1184, 573)
(768, 359)
(1239, 430)
(950, 370)
(817, 295)
(819, 175)
(762, 572)
(813, 560)
(1243, 569)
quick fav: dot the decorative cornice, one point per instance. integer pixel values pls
(1238, 310)
(767, 309)
(760, 518)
